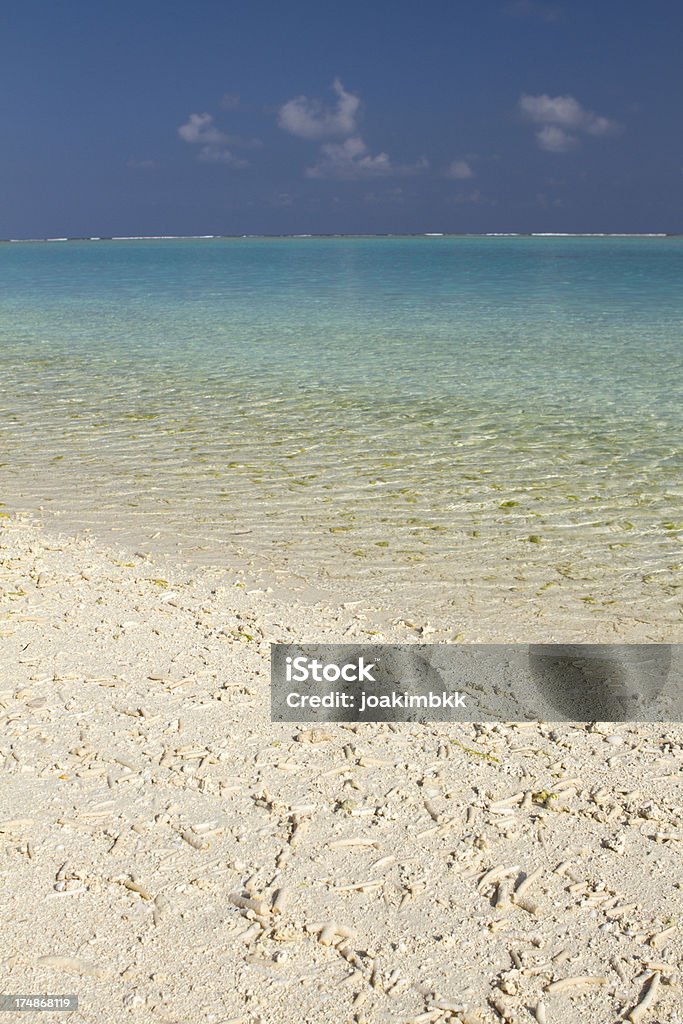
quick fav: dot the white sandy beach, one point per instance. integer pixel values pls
(168, 854)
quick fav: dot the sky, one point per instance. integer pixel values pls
(381, 116)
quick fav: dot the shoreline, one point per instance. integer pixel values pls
(250, 871)
(576, 608)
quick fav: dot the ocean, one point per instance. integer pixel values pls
(430, 417)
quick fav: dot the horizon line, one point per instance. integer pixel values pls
(352, 234)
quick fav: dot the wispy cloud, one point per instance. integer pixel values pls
(467, 197)
(561, 120)
(533, 9)
(547, 202)
(386, 197)
(220, 155)
(141, 165)
(312, 119)
(215, 145)
(460, 170)
(230, 101)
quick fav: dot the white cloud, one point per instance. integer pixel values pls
(554, 139)
(561, 119)
(200, 130)
(564, 110)
(460, 169)
(311, 119)
(350, 160)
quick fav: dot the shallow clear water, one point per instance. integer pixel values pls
(417, 412)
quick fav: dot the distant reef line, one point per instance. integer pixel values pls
(416, 234)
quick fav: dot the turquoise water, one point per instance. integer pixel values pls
(417, 412)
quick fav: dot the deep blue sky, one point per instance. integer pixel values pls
(448, 115)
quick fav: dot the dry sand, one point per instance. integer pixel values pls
(168, 854)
